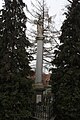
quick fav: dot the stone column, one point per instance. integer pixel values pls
(39, 62)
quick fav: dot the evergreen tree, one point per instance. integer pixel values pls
(15, 87)
(66, 67)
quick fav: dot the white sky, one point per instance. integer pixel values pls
(0, 3)
(55, 7)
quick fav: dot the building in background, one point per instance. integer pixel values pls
(45, 77)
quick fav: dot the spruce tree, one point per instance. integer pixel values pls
(66, 67)
(15, 87)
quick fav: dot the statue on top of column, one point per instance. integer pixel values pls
(40, 27)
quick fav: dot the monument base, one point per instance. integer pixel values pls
(39, 89)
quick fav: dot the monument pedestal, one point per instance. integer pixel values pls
(39, 89)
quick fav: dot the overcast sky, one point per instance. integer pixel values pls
(55, 7)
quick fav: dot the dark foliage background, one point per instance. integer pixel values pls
(66, 73)
(15, 88)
